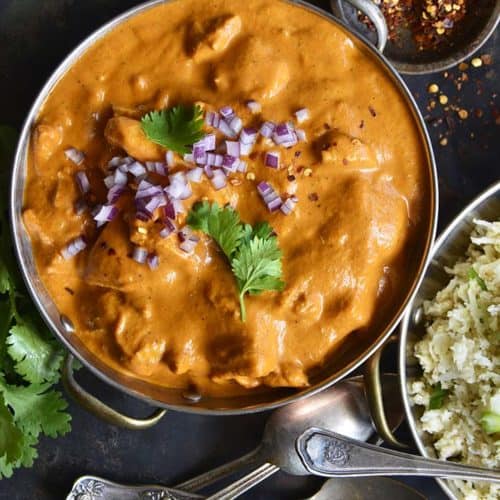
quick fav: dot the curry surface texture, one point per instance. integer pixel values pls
(344, 246)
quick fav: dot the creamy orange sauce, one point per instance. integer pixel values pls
(344, 246)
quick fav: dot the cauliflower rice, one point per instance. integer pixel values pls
(461, 351)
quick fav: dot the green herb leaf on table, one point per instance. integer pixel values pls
(252, 252)
(176, 128)
(30, 358)
(473, 275)
(437, 397)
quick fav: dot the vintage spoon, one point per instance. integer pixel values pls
(365, 488)
(343, 407)
(330, 454)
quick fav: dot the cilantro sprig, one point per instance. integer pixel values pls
(175, 128)
(30, 358)
(252, 252)
(473, 275)
(437, 397)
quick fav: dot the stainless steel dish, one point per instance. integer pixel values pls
(450, 246)
(354, 353)
(478, 25)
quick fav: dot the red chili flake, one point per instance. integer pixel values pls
(313, 196)
(111, 252)
(326, 126)
(69, 290)
(362, 124)
(345, 161)
(372, 111)
(291, 178)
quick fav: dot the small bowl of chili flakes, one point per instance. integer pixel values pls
(426, 36)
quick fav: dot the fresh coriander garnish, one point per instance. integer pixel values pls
(252, 252)
(437, 397)
(474, 276)
(30, 358)
(175, 128)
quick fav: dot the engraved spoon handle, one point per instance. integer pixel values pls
(97, 488)
(329, 454)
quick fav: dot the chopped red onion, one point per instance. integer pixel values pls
(119, 178)
(246, 149)
(109, 181)
(143, 215)
(74, 155)
(267, 129)
(269, 196)
(288, 205)
(209, 118)
(115, 161)
(185, 233)
(188, 158)
(156, 167)
(194, 175)
(236, 124)
(83, 182)
(169, 210)
(140, 254)
(284, 134)
(186, 193)
(170, 158)
(218, 180)
(137, 169)
(229, 161)
(274, 204)
(188, 240)
(179, 206)
(272, 159)
(254, 106)
(114, 193)
(232, 149)
(210, 159)
(301, 135)
(218, 161)
(226, 112)
(248, 135)
(208, 171)
(106, 213)
(210, 142)
(154, 203)
(123, 167)
(153, 261)
(147, 192)
(242, 166)
(302, 115)
(169, 228)
(74, 247)
(226, 129)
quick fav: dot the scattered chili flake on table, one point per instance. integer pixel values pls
(431, 22)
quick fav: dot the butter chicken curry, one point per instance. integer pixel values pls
(220, 192)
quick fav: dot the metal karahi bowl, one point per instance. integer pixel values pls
(354, 353)
(448, 249)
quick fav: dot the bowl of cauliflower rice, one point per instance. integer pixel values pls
(450, 348)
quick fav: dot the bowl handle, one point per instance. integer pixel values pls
(97, 407)
(372, 12)
(375, 400)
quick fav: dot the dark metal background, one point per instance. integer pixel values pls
(35, 35)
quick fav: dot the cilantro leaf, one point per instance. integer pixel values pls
(37, 360)
(37, 409)
(257, 267)
(176, 128)
(252, 252)
(11, 441)
(473, 275)
(437, 397)
(222, 224)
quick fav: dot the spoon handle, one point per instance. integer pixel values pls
(245, 483)
(213, 475)
(329, 454)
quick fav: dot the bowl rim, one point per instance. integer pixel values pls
(19, 164)
(492, 190)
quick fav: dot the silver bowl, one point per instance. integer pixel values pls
(448, 249)
(476, 28)
(355, 353)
